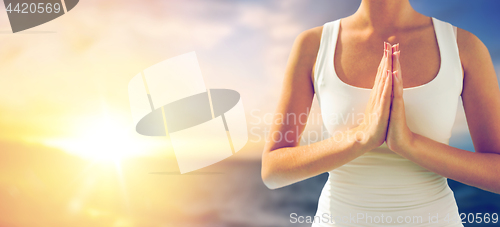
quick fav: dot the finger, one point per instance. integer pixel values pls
(380, 69)
(388, 54)
(382, 74)
(382, 86)
(386, 94)
(374, 94)
(381, 79)
(387, 67)
(389, 61)
(397, 105)
(397, 62)
(398, 85)
(395, 47)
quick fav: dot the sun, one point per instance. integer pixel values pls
(106, 138)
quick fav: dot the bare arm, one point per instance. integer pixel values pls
(285, 162)
(481, 100)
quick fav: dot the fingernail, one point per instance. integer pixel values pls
(385, 46)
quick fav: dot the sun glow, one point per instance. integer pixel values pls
(106, 138)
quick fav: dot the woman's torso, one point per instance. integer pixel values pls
(381, 182)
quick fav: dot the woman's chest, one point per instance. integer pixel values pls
(357, 58)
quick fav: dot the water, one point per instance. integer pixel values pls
(255, 205)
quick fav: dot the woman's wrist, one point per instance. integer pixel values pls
(404, 145)
(361, 140)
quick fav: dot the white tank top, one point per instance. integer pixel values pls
(382, 185)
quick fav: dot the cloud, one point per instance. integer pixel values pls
(278, 25)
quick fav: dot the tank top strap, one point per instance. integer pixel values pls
(326, 51)
(451, 65)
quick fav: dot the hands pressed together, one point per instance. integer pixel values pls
(384, 119)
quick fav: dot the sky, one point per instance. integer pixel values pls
(71, 74)
(63, 85)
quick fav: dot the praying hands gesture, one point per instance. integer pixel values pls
(399, 135)
(384, 118)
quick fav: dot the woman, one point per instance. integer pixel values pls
(389, 164)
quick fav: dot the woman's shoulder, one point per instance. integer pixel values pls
(304, 51)
(306, 44)
(470, 47)
(310, 38)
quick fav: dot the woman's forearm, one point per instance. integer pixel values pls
(287, 165)
(478, 169)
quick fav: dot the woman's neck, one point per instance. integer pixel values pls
(385, 15)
